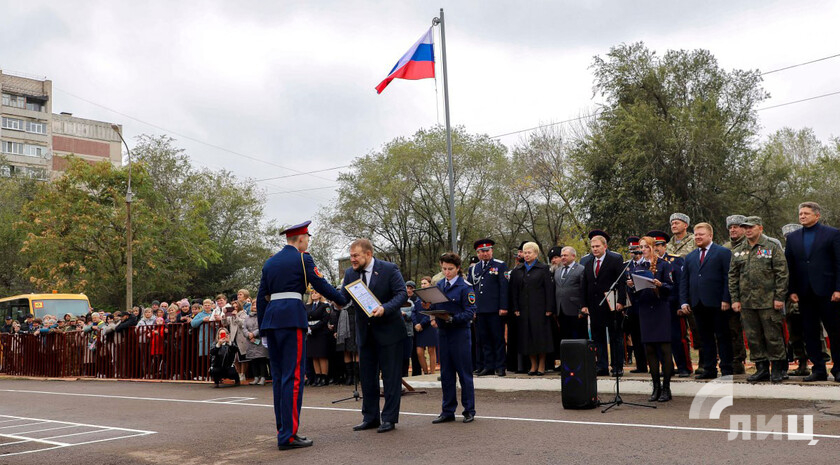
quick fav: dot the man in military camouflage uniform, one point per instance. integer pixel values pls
(682, 241)
(739, 351)
(680, 244)
(758, 277)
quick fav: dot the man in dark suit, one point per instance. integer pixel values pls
(813, 256)
(704, 291)
(568, 289)
(599, 274)
(491, 294)
(379, 336)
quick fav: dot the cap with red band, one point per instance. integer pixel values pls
(483, 244)
(297, 230)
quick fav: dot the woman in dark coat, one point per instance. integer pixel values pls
(655, 318)
(319, 338)
(532, 298)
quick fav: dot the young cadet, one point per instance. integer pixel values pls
(282, 321)
(454, 339)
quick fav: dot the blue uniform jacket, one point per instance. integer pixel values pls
(288, 271)
(461, 304)
(677, 263)
(490, 286)
(418, 318)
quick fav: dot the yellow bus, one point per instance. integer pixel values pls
(19, 306)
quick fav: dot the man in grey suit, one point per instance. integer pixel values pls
(568, 289)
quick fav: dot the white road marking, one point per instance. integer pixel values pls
(498, 418)
(230, 400)
(21, 438)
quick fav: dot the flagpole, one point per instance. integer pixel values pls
(452, 220)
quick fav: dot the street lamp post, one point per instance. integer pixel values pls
(129, 271)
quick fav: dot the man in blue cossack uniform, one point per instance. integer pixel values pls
(491, 291)
(283, 323)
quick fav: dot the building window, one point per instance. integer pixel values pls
(17, 101)
(34, 105)
(12, 123)
(16, 148)
(37, 128)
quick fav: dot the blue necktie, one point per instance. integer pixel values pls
(446, 286)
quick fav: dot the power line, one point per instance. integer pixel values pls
(799, 101)
(301, 174)
(799, 64)
(217, 147)
(762, 74)
(303, 190)
(545, 125)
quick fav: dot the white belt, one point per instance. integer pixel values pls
(286, 295)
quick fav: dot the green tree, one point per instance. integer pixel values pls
(399, 195)
(14, 193)
(75, 237)
(215, 204)
(676, 134)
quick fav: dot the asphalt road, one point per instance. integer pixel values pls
(191, 423)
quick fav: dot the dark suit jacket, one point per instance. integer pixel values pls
(595, 287)
(388, 286)
(707, 283)
(819, 271)
(569, 291)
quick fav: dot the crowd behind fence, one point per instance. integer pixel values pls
(174, 351)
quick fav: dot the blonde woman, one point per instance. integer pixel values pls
(532, 299)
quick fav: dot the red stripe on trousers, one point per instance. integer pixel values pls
(296, 390)
(685, 345)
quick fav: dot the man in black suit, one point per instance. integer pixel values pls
(599, 274)
(813, 256)
(380, 336)
(704, 291)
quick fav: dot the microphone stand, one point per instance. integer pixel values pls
(617, 400)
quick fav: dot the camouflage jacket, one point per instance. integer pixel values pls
(758, 274)
(732, 245)
(681, 248)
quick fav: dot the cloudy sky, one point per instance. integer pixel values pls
(274, 88)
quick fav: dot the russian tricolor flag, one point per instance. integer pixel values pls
(417, 63)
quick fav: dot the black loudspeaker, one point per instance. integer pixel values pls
(577, 373)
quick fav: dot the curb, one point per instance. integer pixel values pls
(823, 392)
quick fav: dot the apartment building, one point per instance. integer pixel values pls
(35, 142)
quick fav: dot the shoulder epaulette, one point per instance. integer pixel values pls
(497, 260)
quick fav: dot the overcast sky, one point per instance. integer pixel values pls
(290, 85)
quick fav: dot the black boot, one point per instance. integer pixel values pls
(762, 372)
(666, 390)
(657, 389)
(348, 374)
(326, 380)
(802, 369)
(778, 370)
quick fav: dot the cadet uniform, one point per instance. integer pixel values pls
(680, 345)
(758, 276)
(633, 327)
(283, 322)
(491, 295)
(455, 350)
(736, 329)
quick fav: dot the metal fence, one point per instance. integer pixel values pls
(173, 351)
